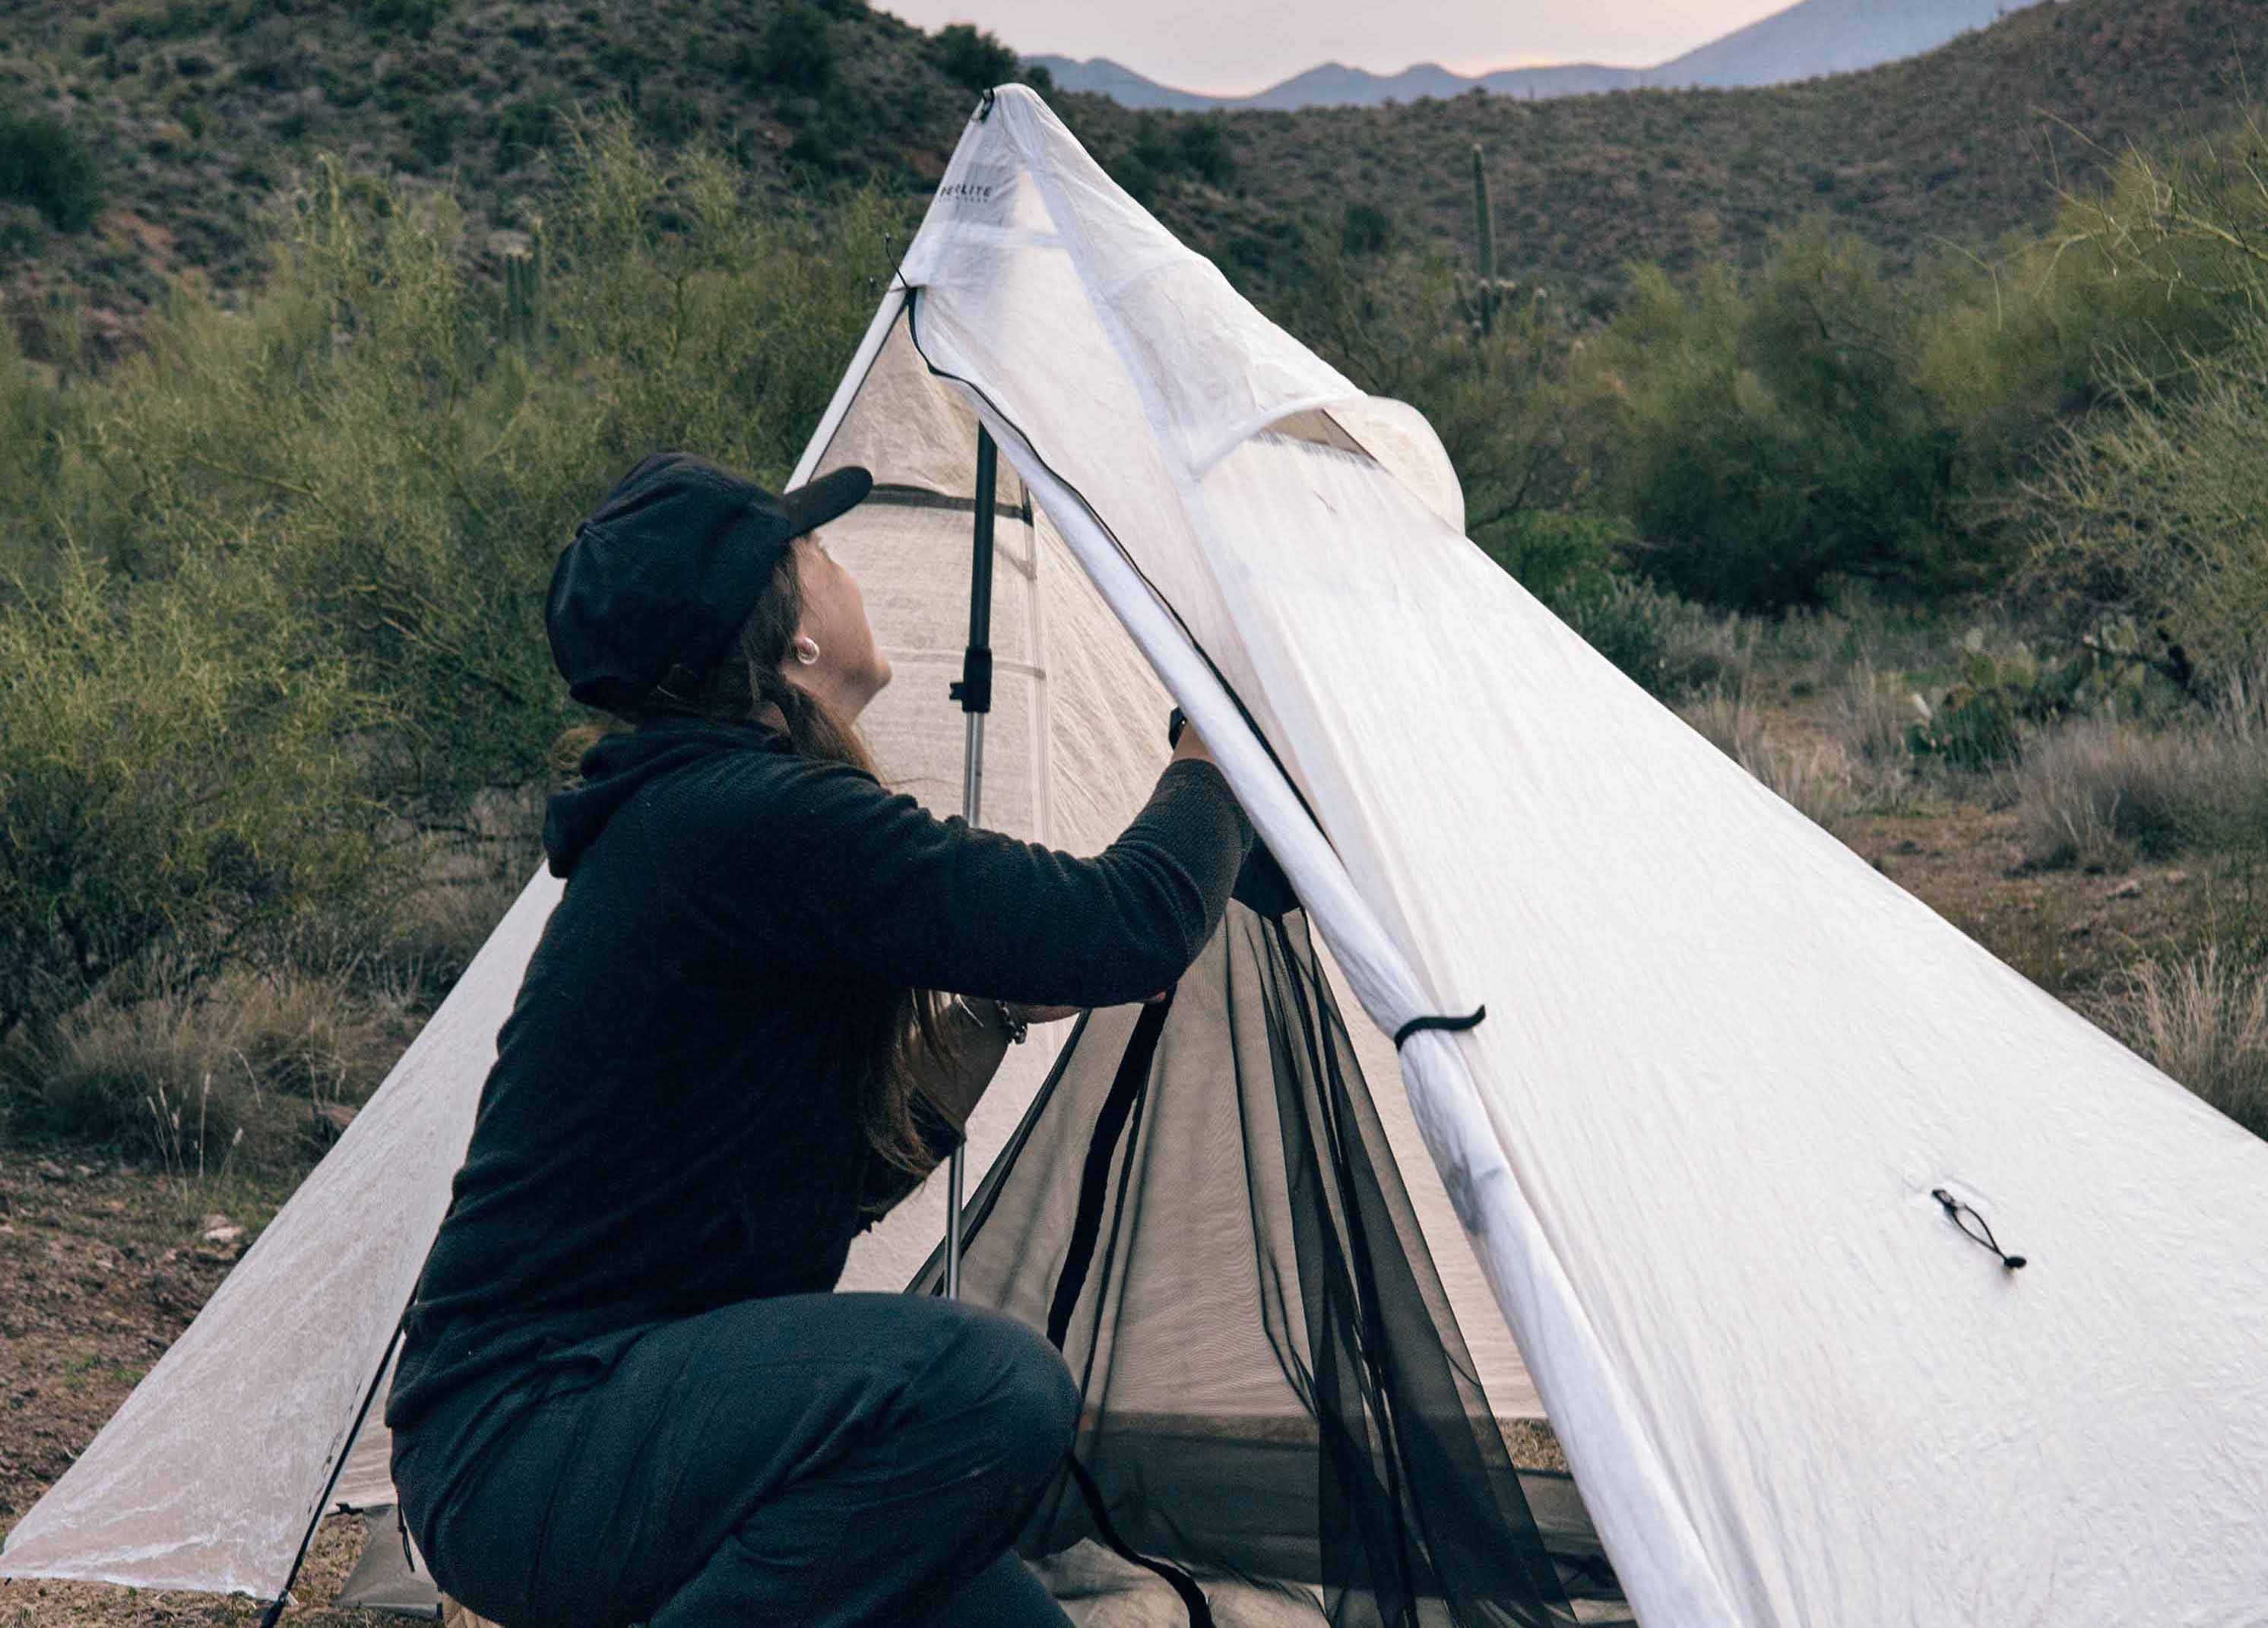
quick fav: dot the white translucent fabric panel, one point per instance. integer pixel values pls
(910, 432)
(1706, 994)
(209, 1475)
(1727, 1063)
(1011, 309)
(1211, 369)
(1397, 436)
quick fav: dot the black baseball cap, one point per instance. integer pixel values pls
(660, 576)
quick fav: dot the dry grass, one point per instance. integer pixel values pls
(1873, 711)
(247, 1069)
(1816, 780)
(2203, 1020)
(2100, 795)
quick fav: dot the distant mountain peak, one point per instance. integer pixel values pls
(1807, 39)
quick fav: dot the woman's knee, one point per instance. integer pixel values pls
(1030, 1402)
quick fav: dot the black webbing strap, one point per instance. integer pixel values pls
(1452, 1025)
(1193, 1600)
(1110, 1124)
(1095, 1177)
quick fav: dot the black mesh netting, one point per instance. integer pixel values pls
(1202, 1209)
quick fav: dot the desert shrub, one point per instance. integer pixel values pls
(415, 17)
(2098, 795)
(1365, 229)
(1766, 434)
(1969, 728)
(177, 768)
(277, 607)
(198, 1077)
(669, 115)
(2149, 505)
(2153, 507)
(1816, 780)
(527, 124)
(37, 421)
(1201, 148)
(46, 163)
(2203, 1020)
(972, 57)
(1559, 555)
(1670, 646)
(797, 50)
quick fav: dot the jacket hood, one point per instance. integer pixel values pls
(623, 765)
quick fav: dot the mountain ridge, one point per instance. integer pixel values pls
(1805, 40)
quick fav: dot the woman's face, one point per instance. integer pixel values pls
(848, 671)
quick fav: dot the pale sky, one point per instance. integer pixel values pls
(1233, 46)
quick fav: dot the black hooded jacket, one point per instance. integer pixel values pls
(659, 1137)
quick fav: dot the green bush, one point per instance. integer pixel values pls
(970, 56)
(45, 163)
(415, 17)
(797, 51)
(178, 766)
(1673, 648)
(272, 605)
(1560, 554)
(1768, 434)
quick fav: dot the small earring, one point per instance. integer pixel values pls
(806, 651)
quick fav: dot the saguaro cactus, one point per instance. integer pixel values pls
(523, 294)
(1484, 231)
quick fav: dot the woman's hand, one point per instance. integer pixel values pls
(1191, 744)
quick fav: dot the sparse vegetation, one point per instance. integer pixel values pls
(2203, 1020)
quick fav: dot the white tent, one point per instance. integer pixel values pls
(1695, 1145)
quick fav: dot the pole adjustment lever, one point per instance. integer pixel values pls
(974, 688)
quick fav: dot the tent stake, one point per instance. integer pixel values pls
(974, 691)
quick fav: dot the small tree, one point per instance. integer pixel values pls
(797, 51)
(971, 57)
(45, 163)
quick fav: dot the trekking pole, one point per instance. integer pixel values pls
(974, 691)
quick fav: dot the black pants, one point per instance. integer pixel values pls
(822, 1461)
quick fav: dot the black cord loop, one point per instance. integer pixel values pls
(1960, 1215)
(1450, 1025)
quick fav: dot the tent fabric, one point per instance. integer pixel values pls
(1693, 1146)
(1727, 1062)
(1202, 1210)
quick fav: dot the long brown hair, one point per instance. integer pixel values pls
(885, 1050)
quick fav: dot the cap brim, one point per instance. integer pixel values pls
(813, 504)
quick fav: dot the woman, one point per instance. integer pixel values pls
(625, 1393)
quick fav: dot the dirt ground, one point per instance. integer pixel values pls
(102, 1264)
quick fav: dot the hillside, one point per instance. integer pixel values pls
(202, 114)
(1962, 144)
(1809, 38)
